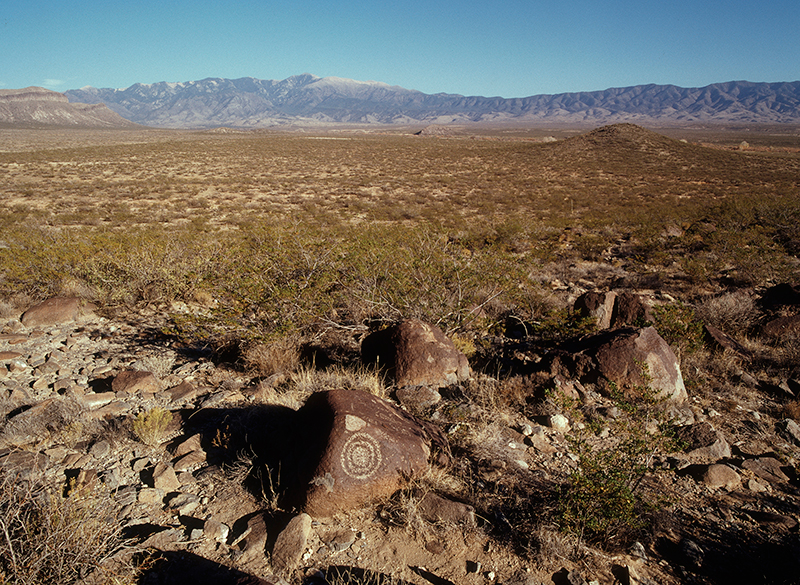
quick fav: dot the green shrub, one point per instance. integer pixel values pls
(149, 426)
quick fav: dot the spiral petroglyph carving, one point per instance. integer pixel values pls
(361, 456)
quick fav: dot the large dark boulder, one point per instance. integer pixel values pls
(417, 354)
(630, 359)
(368, 449)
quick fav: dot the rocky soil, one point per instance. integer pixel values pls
(205, 498)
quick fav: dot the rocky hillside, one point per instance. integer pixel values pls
(446, 475)
(306, 99)
(36, 106)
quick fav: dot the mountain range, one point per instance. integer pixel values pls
(310, 100)
(307, 99)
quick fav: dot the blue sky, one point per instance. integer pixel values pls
(511, 48)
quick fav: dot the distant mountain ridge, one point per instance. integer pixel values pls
(307, 99)
(38, 106)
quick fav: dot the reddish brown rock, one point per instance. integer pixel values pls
(782, 326)
(722, 341)
(291, 544)
(704, 444)
(435, 508)
(51, 312)
(630, 309)
(419, 354)
(767, 468)
(631, 359)
(720, 475)
(370, 448)
(135, 381)
(598, 305)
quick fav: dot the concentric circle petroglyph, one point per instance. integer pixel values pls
(361, 456)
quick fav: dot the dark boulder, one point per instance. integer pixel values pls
(417, 354)
(368, 449)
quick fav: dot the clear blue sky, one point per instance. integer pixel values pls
(511, 48)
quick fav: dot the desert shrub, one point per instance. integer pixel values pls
(602, 501)
(733, 312)
(599, 502)
(45, 538)
(150, 426)
(678, 324)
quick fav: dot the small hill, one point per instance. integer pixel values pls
(36, 106)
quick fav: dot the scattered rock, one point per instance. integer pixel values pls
(135, 381)
(598, 305)
(164, 478)
(630, 310)
(790, 429)
(723, 341)
(782, 326)
(435, 508)
(558, 422)
(215, 530)
(767, 468)
(631, 359)
(705, 445)
(51, 312)
(418, 398)
(253, 539)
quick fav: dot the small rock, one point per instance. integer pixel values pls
(216, 530)
(151, 496)
(767, 468)
(342, 540)
(693, 553)
(291, 543)
(790, 429)
(134, 381)
(418, 397)
(100, 449)
(183, 504)
(435, 508)
(184, 392)
(164, 478)
(721, 476)
(52, 311)
(559, 422)
(254, 538)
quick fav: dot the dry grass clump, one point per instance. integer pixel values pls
(277, 357)
(51, 421)
(308, 380)
(160, 364)
(733, 312)
(45, 538)
(792, 409)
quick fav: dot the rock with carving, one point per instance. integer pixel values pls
(370, 449)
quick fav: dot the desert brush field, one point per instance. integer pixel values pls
(255, 263)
